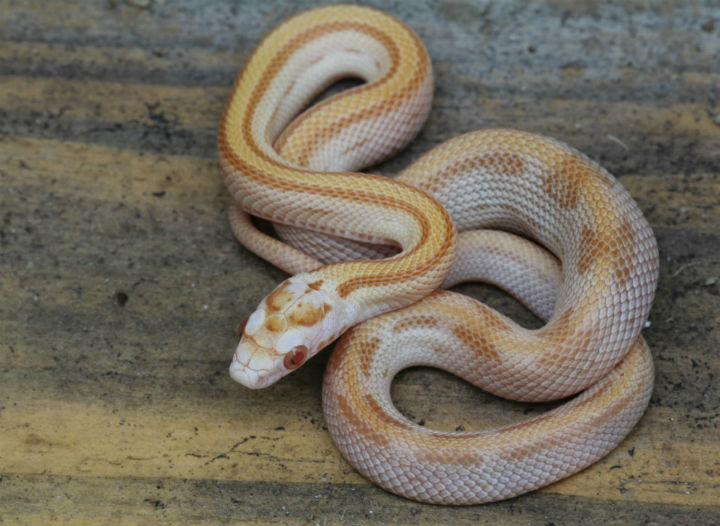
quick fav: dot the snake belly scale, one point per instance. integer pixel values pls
(368, 252)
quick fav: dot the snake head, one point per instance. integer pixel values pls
(291, 325)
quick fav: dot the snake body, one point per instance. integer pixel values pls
(299, 173)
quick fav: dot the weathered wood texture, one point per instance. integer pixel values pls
(121, 284)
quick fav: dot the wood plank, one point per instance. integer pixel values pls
(64, 500)
(173, 119)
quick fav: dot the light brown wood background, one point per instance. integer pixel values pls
(121, 284)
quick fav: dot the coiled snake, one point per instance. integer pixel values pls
(364, 245)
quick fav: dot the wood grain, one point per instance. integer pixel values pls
(121, 284)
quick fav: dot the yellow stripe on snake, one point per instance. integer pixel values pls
(365, 245)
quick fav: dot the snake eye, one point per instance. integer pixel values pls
(295, 357)
(241, 327)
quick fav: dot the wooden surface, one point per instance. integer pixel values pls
(121, 284)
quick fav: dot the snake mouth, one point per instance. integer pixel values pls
(252, 378)
(245, 376)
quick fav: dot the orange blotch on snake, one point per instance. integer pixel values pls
(506, 162)
(625, 237)
(382, 415)
(477, 340)
(315, 285)
(307, 314)
(562, 336)
(412, 322)
(560, 329)
(591, 249)
(475, 335)
(360, 421)
(366, 351)
(275, 323)
(565, 183)
(279, 298)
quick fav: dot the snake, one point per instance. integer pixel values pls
(370, 258)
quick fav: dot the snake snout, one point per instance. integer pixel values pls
(250, 365)
(241, 374)
(250, 378)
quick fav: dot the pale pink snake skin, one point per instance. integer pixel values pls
(496, 188)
